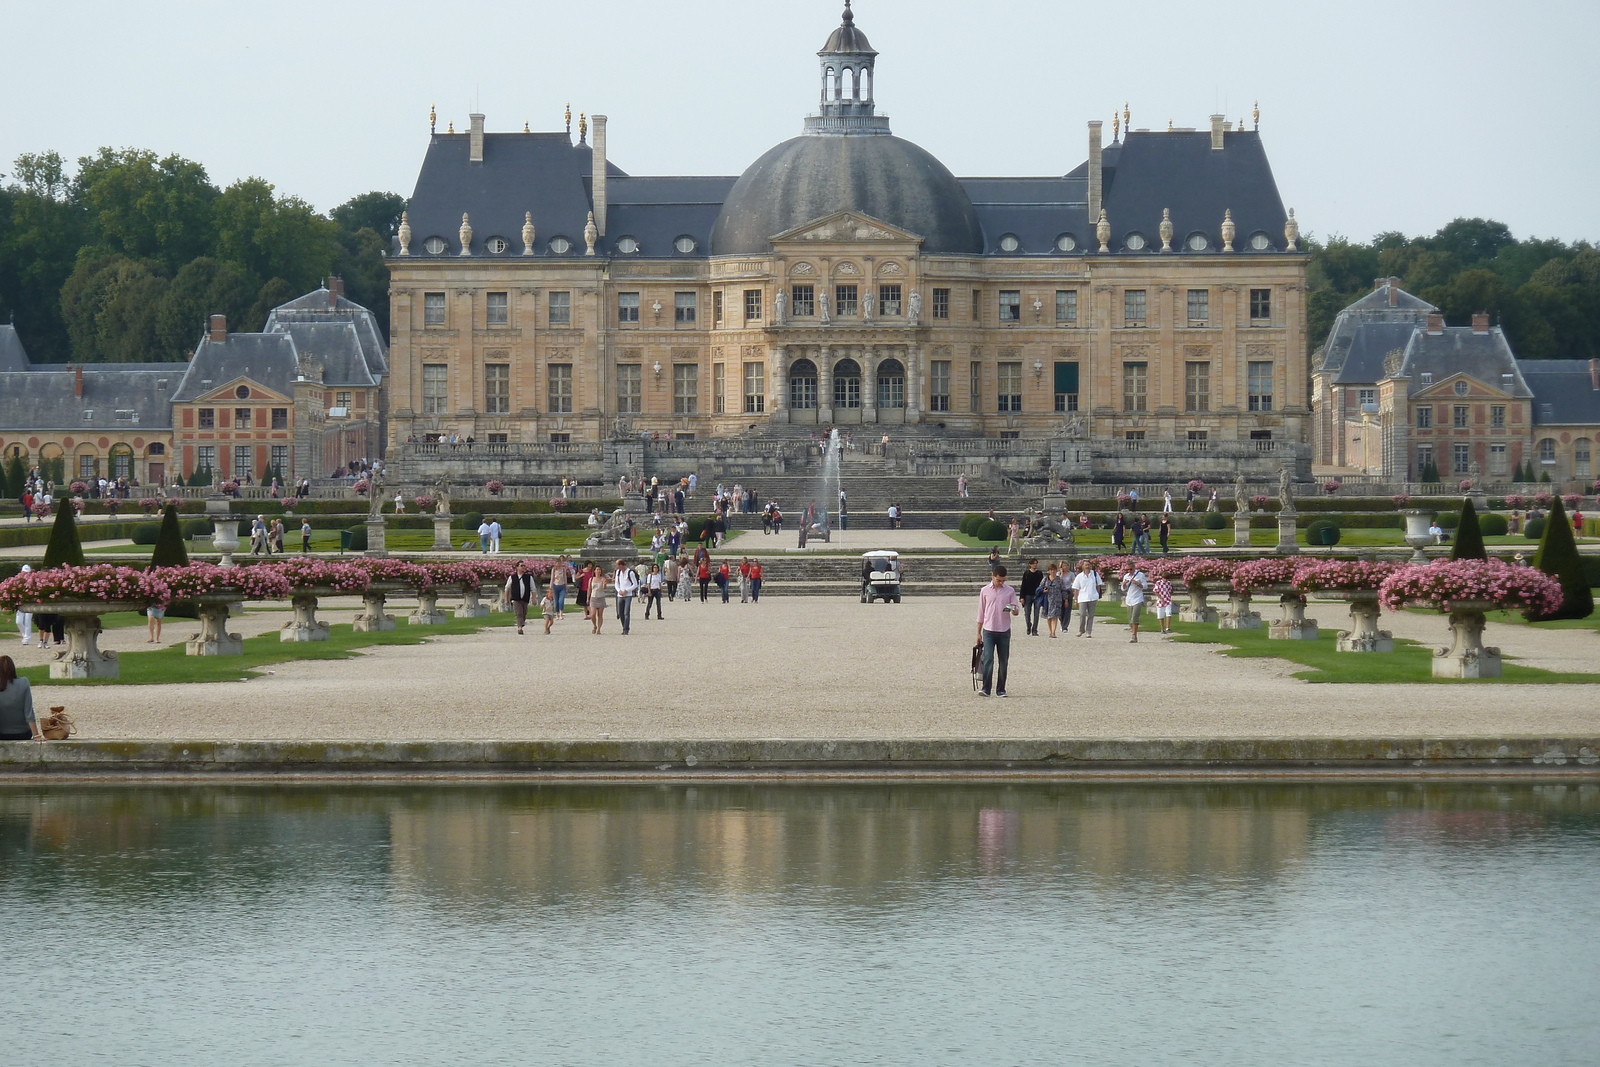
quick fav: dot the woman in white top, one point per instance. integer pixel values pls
(1086, 588)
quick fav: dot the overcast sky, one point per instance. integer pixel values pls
(1394, 115)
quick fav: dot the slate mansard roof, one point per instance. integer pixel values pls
(1364, 334)
(1462, 350)
(1565, 391)
(267, 359)
(116, 396)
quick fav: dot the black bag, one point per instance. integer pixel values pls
(977, 665)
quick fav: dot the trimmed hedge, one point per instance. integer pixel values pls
(1322, 532)
(358, 507)
(1214, 520)
(992, 530)
(358, 538)
(1493, 525)
(145, 533)
(1533, 529)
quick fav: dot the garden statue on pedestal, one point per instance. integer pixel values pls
(1241, 514)
(1287, 545)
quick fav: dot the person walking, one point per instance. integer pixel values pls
(1166, 502)
(961, 486)
(521, 587)
(671, 572)
(1119, 533)
(653, 584)
(483, 537)
(1165, 530)
(755, 581)
(597, 598)
(1032, 602)
(1161, 595)
(704, 577)
(305, 536)
(1054, 590)
(1134, 585)
(626, 581)
(1086, 588)
(25, 619)
(685, 580)
(723, 580)
(744, 580)
(585, 573)
(560, 574)
(495, 531)
(276, 540)
(997, 606)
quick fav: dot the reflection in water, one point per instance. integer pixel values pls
(1397, 922)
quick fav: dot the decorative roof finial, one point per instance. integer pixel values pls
(1116, 124)
(1166, 229)
(405, 233)
(1291, 233)
(1256, 114)
(1229, 230)
(452, 128)
(1102, 231)
(527, 233)
(465, 233)
(590, 234)
(1127, 117)
(525, 128)
(1170, 127)
(433, 118)
(583, 127)
(569, 119)
(848, 16)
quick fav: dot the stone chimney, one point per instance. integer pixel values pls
(219, 328)
(77, 382)
(1480, 322)
(598, 184)
(1218, 124)
(1435, 321)
(1095, 172)
(475, 140)
(1594, 374)
(335, 290)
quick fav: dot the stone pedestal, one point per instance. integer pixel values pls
(1467, 656)
(305, 626)
(427, 612)
(633, 504)
(1197, 610)
(1239, 616)
(1293, 626)
(471, 607)
(441, 533)
(372, 619)
(1241, 529)
(375, 538)
(214, 638)
(1364, 635)
(84, 658)
(1287, 545)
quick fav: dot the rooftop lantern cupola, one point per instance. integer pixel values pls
(847, 66)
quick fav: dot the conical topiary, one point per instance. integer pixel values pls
(64, 549)
(16, 477)
(169, 550)
(1469, 535)
(1558, 557)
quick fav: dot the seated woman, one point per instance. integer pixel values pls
(17, 721)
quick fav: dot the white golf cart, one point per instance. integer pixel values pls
(880, 576)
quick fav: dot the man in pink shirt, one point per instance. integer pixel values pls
(997, 604)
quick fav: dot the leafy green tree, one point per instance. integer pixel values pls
(16, 476)
(204, 287)
(275, 292)
(64, 549)
(169, 550)
(144, 207)
(375, 211)
(41, 230)
(271, 237)
(1469, 536)
(366, 277)
(1558, 557)
(109, 304)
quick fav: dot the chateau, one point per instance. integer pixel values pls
(1143, 313)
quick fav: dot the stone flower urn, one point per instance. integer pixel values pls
(1197, 609)
(83, 658)
(1292, 625)
(1417, 535)
(225, 537)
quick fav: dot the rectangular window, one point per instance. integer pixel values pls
(1499, 460)
(1066, 375)
(1427, 377)
(1458, 416)
(1133, 440)
(435, 389)
(241, 418)
(685, 306)
(561, 309)
(1260, 385)
(630, 388)
(1425, 417)
(627, 307)
(1497, 416)
(1461, 456)
(1133, 307)
(1260, 306)
(939, 385)
(560, 377)
(1010, 305)
(685, 389)
(561, 438)
(1197, 386)
(1066, 305)
(341, 399)
(1547, 450)
(280, 418)
(206, 458)
(1199, 440)
(1009, 377)
(208, 418)
(719, 395)
(280, 459)
(1367, 398)
(86, 468)
(1135, 382)
(243, 461)
(499, 438)
(845, 300)
(889, 300)
(497, 388)
(497, 309)
(977, 305)
(755, 388)
(941, 303)
(752, 305)
(1424, 458)
(1199, 306)
(803, 299)
(433, 309)
(1582, 457)
(975, 387)
(716, 307)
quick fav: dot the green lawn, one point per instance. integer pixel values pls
(532, 542)
(8, 621)
(1101, 539)
(169, 664)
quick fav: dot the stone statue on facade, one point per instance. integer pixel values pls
(868, 304)
(375, 494)
(1285, 490)
(780, 308)
(441, 497)
(1075, 427)
(1241, 502)
(822, 308)
(1474, 473)
(916, 307)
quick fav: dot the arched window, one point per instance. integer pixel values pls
(803, 385)
(891, 384)
(849, 82)
(121, 461)
(1581, 462)
(847, 384)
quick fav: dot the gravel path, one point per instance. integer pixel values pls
(805, 667)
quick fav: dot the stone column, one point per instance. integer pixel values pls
(780, 384)
(375, 539)
(305, 626)
(869, 384)
(1287, 546)
(441, 532)
(913, 364)
(825, 385)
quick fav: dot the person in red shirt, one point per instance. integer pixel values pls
(723, 575)
(704, 576)
(755, 581)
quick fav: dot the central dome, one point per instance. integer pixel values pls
(813, 176)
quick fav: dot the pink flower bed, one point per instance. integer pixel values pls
(78, 488)
(1401, 500)
(1259, 574)
(463, 574)
(100, 581)
(149, 503)
(1572, 501)
(289, 502)
(1331, 486)
(495, 488)
(1492, 581)
(396, 570)
(424, 503)
(207, 579)
(1543, 500)
(1214, 572)
(1259, 502)
(308, 573)
(1196, 485)
(1516, 501)
(362, 486)
(1343, 575)
(558, 503)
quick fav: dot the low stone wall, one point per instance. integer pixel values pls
(789, 758)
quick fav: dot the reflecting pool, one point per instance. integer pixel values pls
(1065, 923)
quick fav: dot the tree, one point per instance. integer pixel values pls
(366, 276)
(64, 549)
(169, 550)
(375, 211)
(16, 477)
(109, 305)
(1473, 240)
(1469, 535)
(204, 287)
(1558, 557)
(144, 207)
(275, 292)
(41, 230)
(271, 237)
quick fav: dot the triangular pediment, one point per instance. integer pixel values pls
(847, 227)
(1477, 389)
(228, 394)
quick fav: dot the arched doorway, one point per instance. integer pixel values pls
(803, 391)
(847, 391)
(891, 384)
(120, 461)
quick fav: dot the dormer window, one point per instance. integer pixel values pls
(1198, 242)
(1260, 242)
(1066, 243)
(496, 245)
(1009, 243)
(559, 246)
(1427, 377)
(1461, 388)
(627, 245)
(1134, 242)
(434, 246)
(685, 244)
